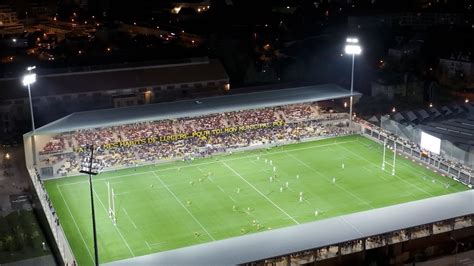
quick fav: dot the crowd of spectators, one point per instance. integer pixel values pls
(299, 121)
(209, 122)
(297, 112)
(249, 117)
(54, 146)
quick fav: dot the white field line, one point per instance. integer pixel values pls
(221, 189)
(416, 170)
(323, 175)
(413, 169)
(130, 218)
(157, 244)
(116, 228)
(182, 205)
(207, 163)
(148, 245)
(75, 223)
(153, 244)
(413, 185)
(207, 176)
(259, 192)
(413, 195)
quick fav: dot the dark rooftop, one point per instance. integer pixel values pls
(191, 71)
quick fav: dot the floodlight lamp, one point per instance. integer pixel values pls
(31, 68)
(353, 49)
(352, 40)
(29, 79)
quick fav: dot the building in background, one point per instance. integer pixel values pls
(71, 90)
(460, 67)
(9, 23)
(396, 86)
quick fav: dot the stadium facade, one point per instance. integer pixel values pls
(56, 151)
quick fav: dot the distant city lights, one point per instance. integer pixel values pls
(176, 10)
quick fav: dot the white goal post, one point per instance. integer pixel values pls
(384, 161)
(111, 199)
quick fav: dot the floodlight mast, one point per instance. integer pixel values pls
(88, 167)
(28, 80)
(352, 48)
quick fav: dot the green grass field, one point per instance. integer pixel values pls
(153, 212)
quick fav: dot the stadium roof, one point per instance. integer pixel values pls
(190, 108)
(312, 235)
(191, 70)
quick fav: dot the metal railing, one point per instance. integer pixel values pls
(411, 150)
(67, 255)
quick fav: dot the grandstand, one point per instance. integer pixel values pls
(196, 176)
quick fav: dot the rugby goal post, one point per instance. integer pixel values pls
(111, 199)
(384, 158)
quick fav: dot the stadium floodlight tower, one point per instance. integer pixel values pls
(352, 48)
(28, 79)
(91, 166)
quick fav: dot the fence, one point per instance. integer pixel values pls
(63, 245)
(407, 147)
(448, 150)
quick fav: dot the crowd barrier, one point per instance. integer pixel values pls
(58, 233)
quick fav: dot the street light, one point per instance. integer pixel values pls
(91, 166)
(28, 80)
(352, 48)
